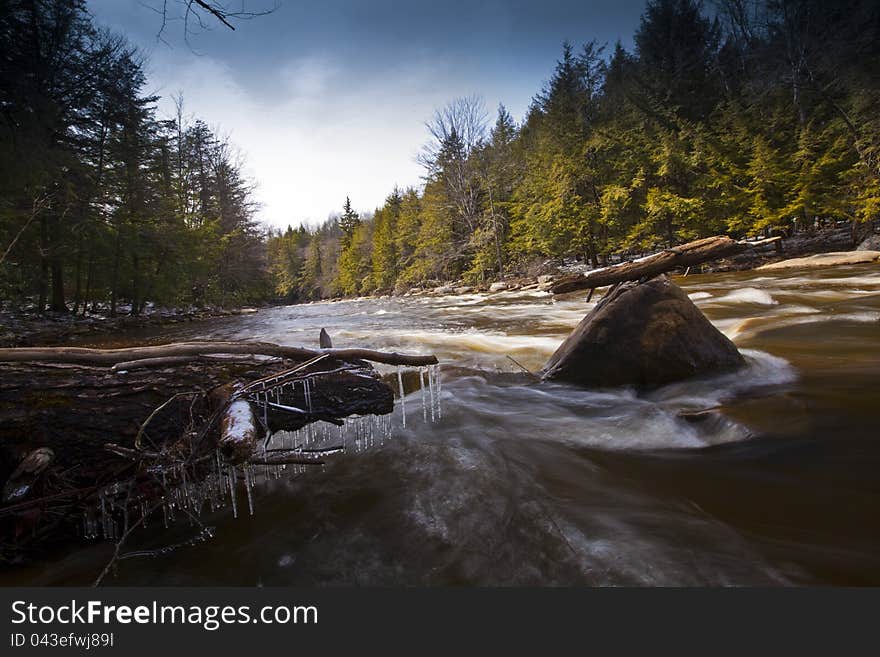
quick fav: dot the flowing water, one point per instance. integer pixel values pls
(547, 484)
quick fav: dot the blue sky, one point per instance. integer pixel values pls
(328, 99)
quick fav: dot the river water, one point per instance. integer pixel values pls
(521, 483)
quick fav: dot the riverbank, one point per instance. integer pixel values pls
(832, 240)
(23, 328)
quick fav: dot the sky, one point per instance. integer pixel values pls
(329, 99)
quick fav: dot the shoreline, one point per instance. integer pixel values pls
(837, 240)
(31, 329)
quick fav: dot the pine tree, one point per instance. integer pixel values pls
(348, 222)
(384, 252)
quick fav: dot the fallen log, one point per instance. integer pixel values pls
(686, 255)
(130, 355)
(130, 430)
(75, 410)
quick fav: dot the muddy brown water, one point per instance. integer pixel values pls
(520, 483)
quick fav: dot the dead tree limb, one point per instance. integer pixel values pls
(686, 255)
(131, 355)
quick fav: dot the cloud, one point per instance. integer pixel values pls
(321, 138)
(328, 99)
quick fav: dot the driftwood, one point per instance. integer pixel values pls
(686, 255)
(75, 410)
(135, 426)
(109, 357)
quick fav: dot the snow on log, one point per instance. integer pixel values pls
(238, 432)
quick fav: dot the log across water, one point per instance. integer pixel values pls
(686, 255)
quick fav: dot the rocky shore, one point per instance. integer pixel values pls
(26, 328)
(834, 242)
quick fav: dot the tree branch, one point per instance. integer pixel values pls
(110, 357)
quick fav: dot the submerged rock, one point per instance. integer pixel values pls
(643, 334)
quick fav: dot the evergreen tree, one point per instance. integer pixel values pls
(348, 222)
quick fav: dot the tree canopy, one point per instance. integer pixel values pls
(751, 118)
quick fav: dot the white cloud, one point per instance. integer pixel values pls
(320, 142)
(321, 134)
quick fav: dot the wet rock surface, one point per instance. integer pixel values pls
(642, 334)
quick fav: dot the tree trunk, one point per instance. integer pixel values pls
(88, 294)
(57, 268)
(114, 283)
(44, 265)
(77, 291)
(136, 287)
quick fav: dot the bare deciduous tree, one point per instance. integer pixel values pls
(464, 119)
(200, 13)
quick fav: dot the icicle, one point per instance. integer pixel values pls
(232, 491)
(431, 392)
(103, 515)
(437, 380)
(186, 502)
(402, 396)
(247, 485)
(424, 395)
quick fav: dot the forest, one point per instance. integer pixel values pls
(739, 117)
(103, 205)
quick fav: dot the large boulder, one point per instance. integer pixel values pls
(642, 334)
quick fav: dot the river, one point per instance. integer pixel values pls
(521, 483)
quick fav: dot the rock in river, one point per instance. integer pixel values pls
(643, 334)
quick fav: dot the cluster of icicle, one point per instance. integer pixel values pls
(429, 385)
(189, 498)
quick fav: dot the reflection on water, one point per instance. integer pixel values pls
(522, 483)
